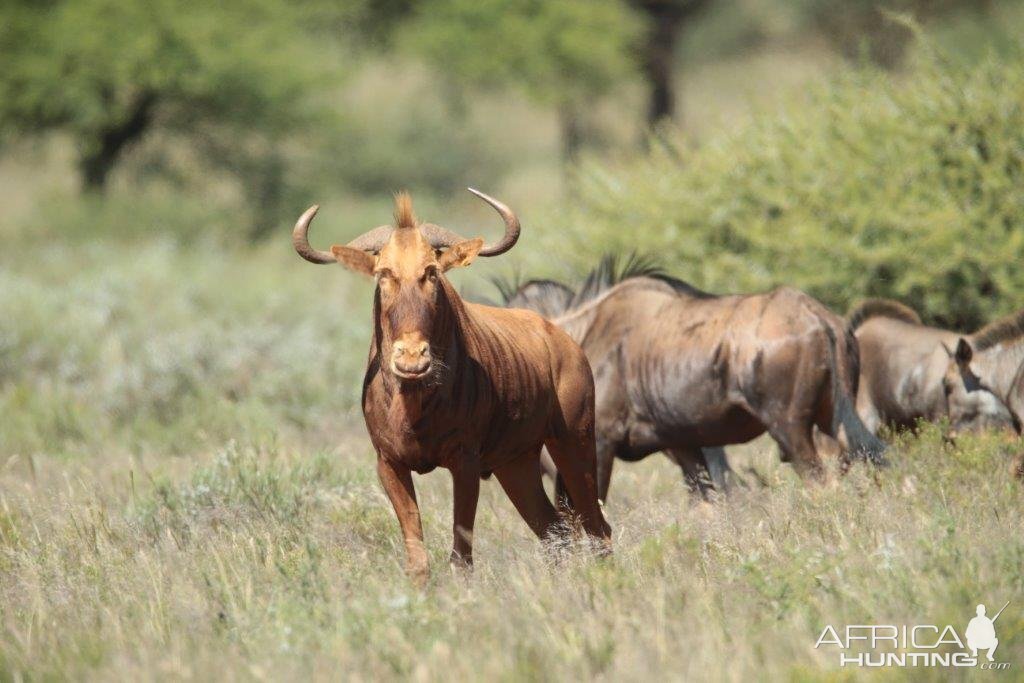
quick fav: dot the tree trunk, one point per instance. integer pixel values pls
(111, 141)
(659, 55)
(665, 22)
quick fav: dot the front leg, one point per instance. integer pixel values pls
(397, 482)
(466, 490)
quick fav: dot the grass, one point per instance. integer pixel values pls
(264, 562)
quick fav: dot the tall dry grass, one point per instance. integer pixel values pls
(262, 562)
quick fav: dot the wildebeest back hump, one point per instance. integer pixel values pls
(780, 333)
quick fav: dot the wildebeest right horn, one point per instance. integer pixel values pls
(512, 227)
(372, 241)
(441, 238)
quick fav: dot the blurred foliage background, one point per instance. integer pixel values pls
(155, 153)
(232, 115)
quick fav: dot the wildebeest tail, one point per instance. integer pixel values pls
(879, 308)
(862, 443)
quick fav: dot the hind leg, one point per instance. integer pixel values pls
(522, 482)
(723, 476)
(840, 440)
(695, 471)
(797, 445)
(605, 461)
(574, 455)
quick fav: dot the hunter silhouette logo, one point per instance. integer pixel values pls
(981, 633)
(927, 645)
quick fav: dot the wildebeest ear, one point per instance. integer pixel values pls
(355, 260)
(460, 254)
(964, 352)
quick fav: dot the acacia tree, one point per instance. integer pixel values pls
(564, 53)
(108, 72)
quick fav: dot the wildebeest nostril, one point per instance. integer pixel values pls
(413, 350)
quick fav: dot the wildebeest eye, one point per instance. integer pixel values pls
(386, 280)
(430, 275)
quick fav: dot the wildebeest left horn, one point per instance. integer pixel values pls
(371, 241)
(512, 227)
(441, 238)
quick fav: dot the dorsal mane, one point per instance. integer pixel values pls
(1008, 328)
(610, 271)
(681, 286)
(880, 308)
(404, 216)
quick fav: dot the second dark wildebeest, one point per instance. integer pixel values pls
(677, 370)
(470, 388)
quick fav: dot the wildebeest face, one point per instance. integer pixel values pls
(971, 403)
(409, 273)
(408, 261)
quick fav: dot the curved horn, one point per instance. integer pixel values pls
(372, 241)
(441, 238)
(300, 239)
(512, 227)
(375, 239)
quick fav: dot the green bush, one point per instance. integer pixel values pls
(908, 187)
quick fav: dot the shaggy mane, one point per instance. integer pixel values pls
(611, 270)
(1005, 329)
(880, 308)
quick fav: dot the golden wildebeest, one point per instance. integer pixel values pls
(911, 372)
(466, 387)
(678, 370)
